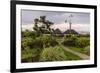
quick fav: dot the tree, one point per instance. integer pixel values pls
(41, 25)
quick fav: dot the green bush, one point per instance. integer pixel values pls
(30, 55)
(70, 41)
(34, 43)
(83, 42)
(31, 34)
(26, 42)
(39, 42)
(48, 40)
(76, 41)
(53, 54)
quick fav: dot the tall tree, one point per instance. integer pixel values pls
(42, 25)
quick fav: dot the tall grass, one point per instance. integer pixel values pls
(57, 53)
(53, 54)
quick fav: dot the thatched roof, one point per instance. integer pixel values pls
(57, 31)
(70, 31)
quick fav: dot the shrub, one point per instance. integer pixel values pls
(83, 42)
(48, 40)
(39, 42)
(30, 55)
(26, 42)
(76, 41)
(31, 34)
(53, 54)
(70, 41)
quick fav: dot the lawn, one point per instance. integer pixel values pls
(85, 50)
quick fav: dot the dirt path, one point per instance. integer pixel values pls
(83, 56)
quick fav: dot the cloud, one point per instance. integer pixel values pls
(63, 27)
(78, 27)
(27, 27)
(28, 16)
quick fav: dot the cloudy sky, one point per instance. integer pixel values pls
(80, 21)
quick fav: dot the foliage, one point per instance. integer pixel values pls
(31, 34)
(30, 55)
(39, 42)
(70, 41)
(53, 54)
(83, 42)
(26, 43)
(76, 41)
(47, 40)
(45, 27)
(57, 53)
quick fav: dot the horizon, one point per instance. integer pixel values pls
(77, 27)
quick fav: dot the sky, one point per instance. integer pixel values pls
(79, 20)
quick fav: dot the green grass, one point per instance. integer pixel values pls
(71, 56)
(53, 54)
(85, 50)
(85, 38)
(57, 54)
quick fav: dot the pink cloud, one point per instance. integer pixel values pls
(77, 27)
(63, 27)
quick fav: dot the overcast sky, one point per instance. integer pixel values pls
(28, 16)
(82, 20)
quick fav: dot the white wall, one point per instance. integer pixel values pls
(5, 36)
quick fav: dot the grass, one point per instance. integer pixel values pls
(57, 54)
(85, 50)
(53, 54)
(71, 56)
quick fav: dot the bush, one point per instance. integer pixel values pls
(30, 55)
(39, 42)
(70, 41)
(83, 42)
(76, 41)
(48, 40)
(26, 42)
(53, 54)
(31, 34)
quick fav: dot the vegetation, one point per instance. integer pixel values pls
(57, 53)
(53, 54)
(30, 55)
(44, 44)
(76, 41)
(85, 50)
